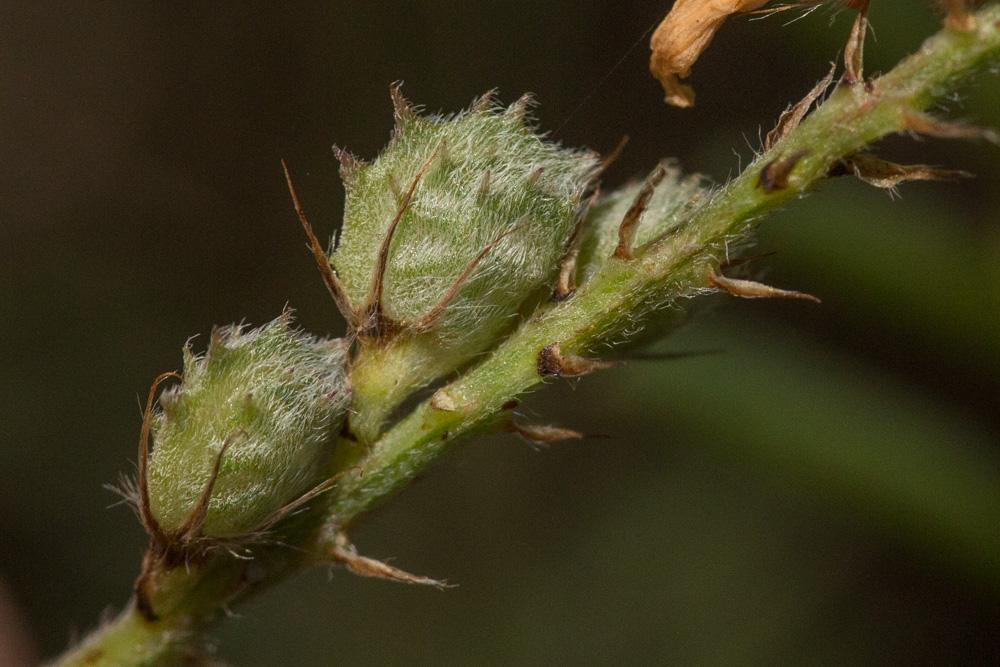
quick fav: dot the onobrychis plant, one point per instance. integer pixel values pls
(476, 260)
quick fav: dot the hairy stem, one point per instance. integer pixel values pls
(189, 599)
(177, 603)
(853, 118)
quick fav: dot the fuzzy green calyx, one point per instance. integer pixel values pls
(487, 174)
(447, 234)
(262, 407)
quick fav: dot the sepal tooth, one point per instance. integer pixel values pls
(519, 110)
(350, 166)
(402, 110)
(486, 102)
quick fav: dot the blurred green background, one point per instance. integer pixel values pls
(823, 490)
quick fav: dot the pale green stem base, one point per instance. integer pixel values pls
(383, 375)
(183, 602)
(127, 640)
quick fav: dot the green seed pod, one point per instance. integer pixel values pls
(249, 430)
(447, 234)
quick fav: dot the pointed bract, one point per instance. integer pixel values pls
(402, 110)
(668, 205)
(349, 165)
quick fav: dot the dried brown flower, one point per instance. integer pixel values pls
(691, 24)
(682, 36)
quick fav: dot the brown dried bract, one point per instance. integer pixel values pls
(373, 323)
(793, 115)
(749, 289)
(566, 285)
(541, 434)
(681, 38)
(928, 125)
(885, 174)
(347, 554)
(854, 52)
(330, 280)
(630, 223)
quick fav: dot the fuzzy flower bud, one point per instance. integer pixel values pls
(248, 432)
(459, 223)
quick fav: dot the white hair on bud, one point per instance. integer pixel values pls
(533, 188)
(278, 395)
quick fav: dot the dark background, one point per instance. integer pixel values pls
(826, 490)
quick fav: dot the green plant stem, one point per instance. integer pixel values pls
(186, 599)
(128, 640)
(675, 267)
(190, 600)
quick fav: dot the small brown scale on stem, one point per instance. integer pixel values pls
(553, 363)
(959, 14)
(774, 175)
